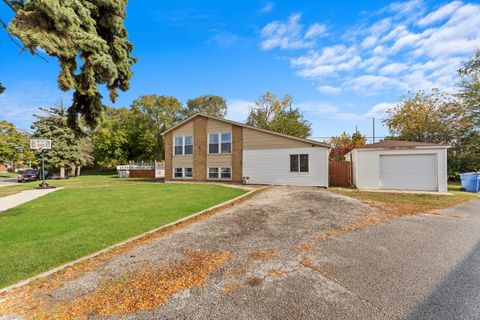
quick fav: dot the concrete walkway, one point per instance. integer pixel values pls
(14, 200)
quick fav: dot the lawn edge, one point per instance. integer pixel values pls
(216, 208)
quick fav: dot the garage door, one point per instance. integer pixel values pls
(408, 172)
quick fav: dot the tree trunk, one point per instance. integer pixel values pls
(62, 172)
(78, 171)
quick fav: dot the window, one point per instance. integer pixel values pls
(213, 173)
(304, 163)
(226, 142)
(220, 143)
(226, 173)
(183, 145)
(178, 145)
(299, 163)
(188, 145)
(220, 173)
(294, 163)
(178, 173)
(183, 173)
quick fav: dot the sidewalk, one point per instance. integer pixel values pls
(14, 200)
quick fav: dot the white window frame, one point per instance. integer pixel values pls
(219, 175)
(299, 163)
(219, 135)
(183, 173)
(183, 145)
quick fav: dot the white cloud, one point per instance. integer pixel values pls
(318, 107)
(238, 109)
(377, 110)
(223, 38)
(440, 14)
(290, 34)
(404, 46)
(329, 89)
(267, 7)
(316, 30)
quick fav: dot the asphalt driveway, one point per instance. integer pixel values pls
(286, 253)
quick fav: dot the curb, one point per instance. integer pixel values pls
(218, 207)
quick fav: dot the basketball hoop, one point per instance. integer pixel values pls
(40, 145)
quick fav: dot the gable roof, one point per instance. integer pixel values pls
(401, 144)
(318, 143)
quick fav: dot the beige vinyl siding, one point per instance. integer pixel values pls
(220, 160)
(183, 161)
(215, 126)
(185, 130)
(254, 139)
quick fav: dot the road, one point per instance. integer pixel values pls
(7, 182)
(286, 253)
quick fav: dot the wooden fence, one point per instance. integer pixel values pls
(340, 173)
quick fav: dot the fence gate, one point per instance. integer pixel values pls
(340, 173)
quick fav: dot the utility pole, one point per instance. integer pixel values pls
(373, 123)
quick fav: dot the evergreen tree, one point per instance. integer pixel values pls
(65, 150)
(87, 31)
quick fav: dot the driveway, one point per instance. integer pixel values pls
(286, 253)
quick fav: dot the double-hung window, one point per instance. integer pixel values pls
(183, 145)
(299, 163)
(220, 143)
(220, 173)
(183, 173)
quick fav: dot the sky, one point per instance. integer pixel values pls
(344, 62)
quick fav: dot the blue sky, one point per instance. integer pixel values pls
(343, 62)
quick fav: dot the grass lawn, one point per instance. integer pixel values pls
(91, 213)
(400, 204)
(6, 174)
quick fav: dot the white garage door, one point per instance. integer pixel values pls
(408, 172)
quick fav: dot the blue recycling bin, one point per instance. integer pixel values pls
(470, 181)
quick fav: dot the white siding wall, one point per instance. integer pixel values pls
(272, 166)
(366, 166)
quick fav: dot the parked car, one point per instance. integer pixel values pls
(31, 175)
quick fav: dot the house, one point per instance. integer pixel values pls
(400, 165)
(206, 148)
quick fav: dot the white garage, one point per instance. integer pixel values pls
(400, 165)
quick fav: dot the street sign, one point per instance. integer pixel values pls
(40, 144)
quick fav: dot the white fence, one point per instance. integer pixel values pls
(159, 167)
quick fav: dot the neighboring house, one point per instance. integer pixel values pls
(400, 165)
(206, 148)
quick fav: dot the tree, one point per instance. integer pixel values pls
(110, 138)
(210, 105)
(470, 86)
(278, 115)
(2, 89)
(86, 31)
(438, 118)
(14, 145)
(344, 143)
(152, 115)
(65, 150)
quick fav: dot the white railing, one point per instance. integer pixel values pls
(159, 167)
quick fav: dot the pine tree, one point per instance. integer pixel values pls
(65, 150)
(79, 31)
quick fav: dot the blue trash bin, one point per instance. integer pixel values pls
(470, 181)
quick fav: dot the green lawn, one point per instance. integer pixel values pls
(409, 203)
(91, 213)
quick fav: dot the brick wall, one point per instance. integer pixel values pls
(167, 138)
(142, 174)
(200, 148)
(237, 153)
